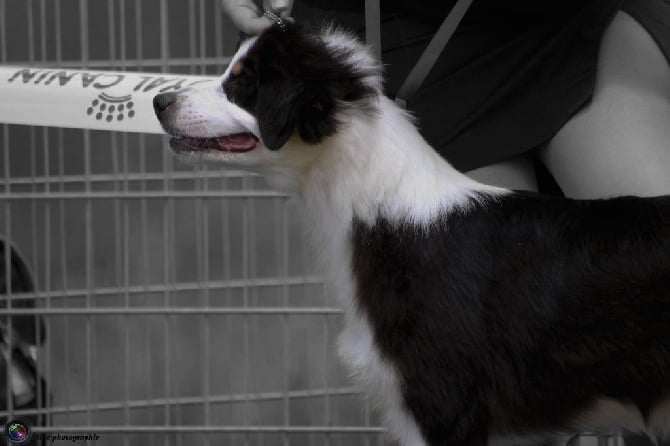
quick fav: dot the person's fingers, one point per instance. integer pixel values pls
(256, 25)
(235, 7)
(245, 15)
(282, 8)
(248, 17)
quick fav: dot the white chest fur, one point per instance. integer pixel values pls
(376, 168)
(377, 377)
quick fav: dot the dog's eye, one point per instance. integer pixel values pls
(237, 68)
(240, 86)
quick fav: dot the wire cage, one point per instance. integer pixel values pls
(145, 301)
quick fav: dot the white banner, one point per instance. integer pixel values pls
(84, 99)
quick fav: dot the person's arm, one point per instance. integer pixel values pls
(248, 16)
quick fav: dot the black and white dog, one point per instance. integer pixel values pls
(473, 314)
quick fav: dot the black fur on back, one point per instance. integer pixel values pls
(520, 312)
(291, 80)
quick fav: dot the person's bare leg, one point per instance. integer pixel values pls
(516, 173)
(620, 143)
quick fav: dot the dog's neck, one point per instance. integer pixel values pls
(378, 167)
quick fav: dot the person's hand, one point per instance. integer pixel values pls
(248, 17)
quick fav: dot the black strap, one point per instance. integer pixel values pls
(432, 52)
(373, 31)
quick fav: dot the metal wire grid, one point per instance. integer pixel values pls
(180, 304)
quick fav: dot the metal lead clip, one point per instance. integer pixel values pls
(275, 18)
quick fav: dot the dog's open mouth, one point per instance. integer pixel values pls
(238, 142)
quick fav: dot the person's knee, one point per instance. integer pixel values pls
(618, 145)
(516, 173)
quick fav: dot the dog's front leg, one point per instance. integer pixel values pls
(463, 422)
(468, 430)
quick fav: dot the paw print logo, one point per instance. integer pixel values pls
(111, 108)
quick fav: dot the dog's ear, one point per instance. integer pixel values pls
(294, 92)
(286, 103)
(300, 83)
(277, 111)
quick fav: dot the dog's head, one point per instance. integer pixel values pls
(286, 85)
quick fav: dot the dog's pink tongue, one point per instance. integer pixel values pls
(237, 142)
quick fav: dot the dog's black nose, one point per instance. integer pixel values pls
(162, 101)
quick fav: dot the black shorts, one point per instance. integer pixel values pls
(512, 75)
